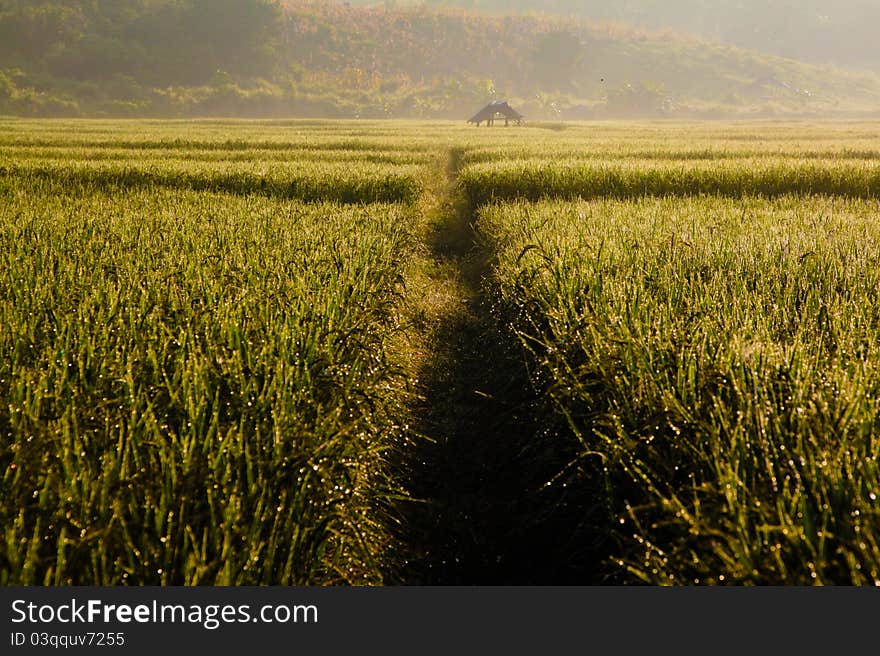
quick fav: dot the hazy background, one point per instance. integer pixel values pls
(554, 60)
(842, 32)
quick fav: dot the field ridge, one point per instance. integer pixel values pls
(484, 513)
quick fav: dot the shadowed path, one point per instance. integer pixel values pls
(485, 513)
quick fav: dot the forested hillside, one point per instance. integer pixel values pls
(842, 32)
(296, 58)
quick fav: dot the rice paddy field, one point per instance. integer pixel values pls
(264, 352)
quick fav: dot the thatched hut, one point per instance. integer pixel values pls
(496, 110)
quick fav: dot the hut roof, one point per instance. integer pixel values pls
(493, 108)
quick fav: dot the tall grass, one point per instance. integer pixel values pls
(534, 180)
(625, 151)
(344, 182)
(179, 156)
(719, 359)
(195, 387)
(199, 380)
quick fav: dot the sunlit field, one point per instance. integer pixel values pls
(221, 340)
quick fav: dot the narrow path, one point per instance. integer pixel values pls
(484, 513)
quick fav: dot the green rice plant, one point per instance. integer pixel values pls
(533, 180)
(344, 182)
(717, 359)
(195, 388)
(177, 157)
(203, 381)
(182, 136)
(621, 152)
